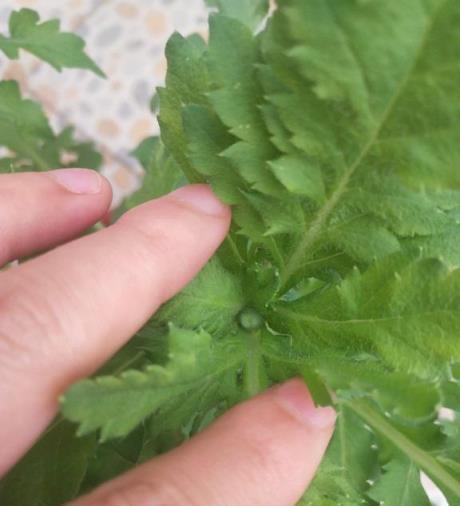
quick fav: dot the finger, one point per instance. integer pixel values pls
(41, 210)
(264, 452)
(63, 314)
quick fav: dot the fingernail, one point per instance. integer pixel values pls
(295, 398)
(79, 181)
(200, 198)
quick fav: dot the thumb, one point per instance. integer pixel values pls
(263, 452)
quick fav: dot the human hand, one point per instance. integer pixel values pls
(64, 313)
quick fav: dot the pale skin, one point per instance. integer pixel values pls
(65, 312)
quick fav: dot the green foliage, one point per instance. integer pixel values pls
(340, 480)
(250, 12)
(24, 129)
(44, 40)
(334, 135)
(392, 310)
(117, 405)
(23, 125)
(162, 175)
(214, 299)
(400, 485)
(52, 472)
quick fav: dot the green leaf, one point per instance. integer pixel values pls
(25, 130)
(299, 178)
(439, 473)
(357, 92)
(233, 55)
(330, 488)
(449, 456)
(52, 472)
(333, 133)
(211, 302)
(63, 150)
(116, 405)
(114, 458)
(22, 123)
(340, 479)
(207, 140)
(363, 239)
(46, 41)
(400, 485)
(249, 12)
(162, 174)
(414, 405)
(396, 317)
(186, 83)
(353, 443)
(450, 386)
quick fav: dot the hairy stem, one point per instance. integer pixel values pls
(41, 164)
(253, 386)
(234, 250)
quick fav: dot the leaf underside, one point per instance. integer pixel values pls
(334, 135)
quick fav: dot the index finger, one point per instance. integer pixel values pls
(65, 313)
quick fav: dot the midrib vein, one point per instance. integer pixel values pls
(314, 320)
(324, 213)
(343, 446)
(405, 492)
(293, 315)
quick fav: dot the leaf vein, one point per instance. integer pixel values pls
(324, 213)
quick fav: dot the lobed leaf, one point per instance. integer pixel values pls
(333, 133)
(53, 470)
(116, 405)
(400, 485)
(249, 12)
(46, 41)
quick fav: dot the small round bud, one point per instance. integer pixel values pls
(250, 319)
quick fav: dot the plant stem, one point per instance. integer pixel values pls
(252, 364)
(277, 253)
(235, 250)
(41, 164)
(420, 457)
